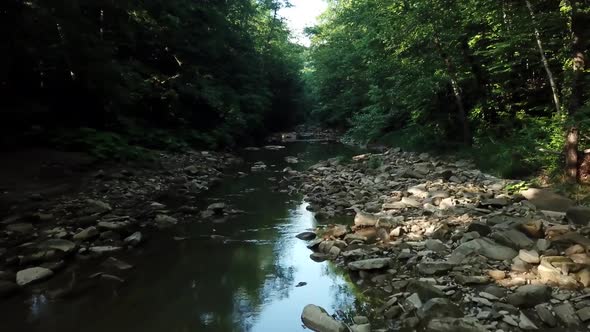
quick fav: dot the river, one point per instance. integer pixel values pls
(184, 280)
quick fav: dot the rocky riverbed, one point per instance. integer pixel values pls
(444, 247)
(113, 213)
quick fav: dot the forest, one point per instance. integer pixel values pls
(503, 82)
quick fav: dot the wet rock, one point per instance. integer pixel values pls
(454, 325)
(113, 263)
(360, 328)
(567, 315)
(317, 319)
(547, 200)
(96, 206)
(578, 215)
(59, 244)
(432, 268)
(33, 274)
(439, 308)
(134, 239)
(306, 236)
(8, 288)
(530, 295)
(545, 314)
(424, 290)
(525, 323)
(318, 257)
(484, 247)
(369, 264)
(512, 238)
(104, 249)
(86, 234)
(529, 256)
(22, 228)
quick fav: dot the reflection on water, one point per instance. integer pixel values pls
(245, 283)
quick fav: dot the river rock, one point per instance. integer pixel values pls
(578, 215)
(134, 239)
(435, 245)
(424, 290)
(86, 234)
(22, 228)
(306, 236)
(96, 206)
(104, 249)
(360, 328)
(217, 208)
(364, 219)
(369, 264)
(547, 200)
(529, 256)
(512, 238)
(114, 263)
(59, 244)
(529, 295)
(545, 314)
(33, 274)
(567, 315)
(317, 319)
(484, 247)
(439, 308)
(432, 268)
(454, 325)
(525, 323)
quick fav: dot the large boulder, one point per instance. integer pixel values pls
(579, 215)
(317, 319)
(547, 200)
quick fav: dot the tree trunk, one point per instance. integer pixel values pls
(544, 59)
(578, 20)
(467, 138)
(571, 154)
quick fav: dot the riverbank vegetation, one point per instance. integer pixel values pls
(499, 81)
(106, 76)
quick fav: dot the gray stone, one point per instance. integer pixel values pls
(584, 314)
(479, 227)
(369, 264)
(525, 323)
(436, 246)
(543, 244)
(438, 308)
(59, 244)
(104, 249)
(134, 239)
(547, 200)
(114, 263)
(317, 319)
(545, 314)
(425, 290)
(432, 268)
(360, 328)
(164, 220)
(529, 295)
(415, 301)
(513, 238)
(578, 215)
(33, 274)
(566, 313)
(96, 206)
(112, 225)
(484, 247)
(86, 234)
(529, 256)
(454, 325)
(22, 228)
(318, 257)
(363, 219)
(306, 236)
(217, 208)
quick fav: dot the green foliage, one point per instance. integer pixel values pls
(375, 162)
(516, 187)
(401, 73)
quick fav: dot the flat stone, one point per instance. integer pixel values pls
(306, 236)
(318, 257)
(545, 314)
(567, 315)
(317, 319)
(438, 308)
(86, 234)
(529, 295)
(529, 256)
(59, 244)
(33, 274)
(360, 328)
(164, 219)
(425, 290)
(472, 280)
(104, 249)
(525, 323)
(512, 238)
(484, 247)
(547, 200)
(134, 239)
(96, 206)
(22, 228)
(543, 244)
(112, 225)
(454, 325)
(584, 314)
(114, 263)
(415, 301)
(432, 268)
(435, 245)
(369, 264)
(509, 320)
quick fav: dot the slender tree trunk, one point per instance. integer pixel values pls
(544, 59)
(578, 58)
(571, 154)
(467, 138)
